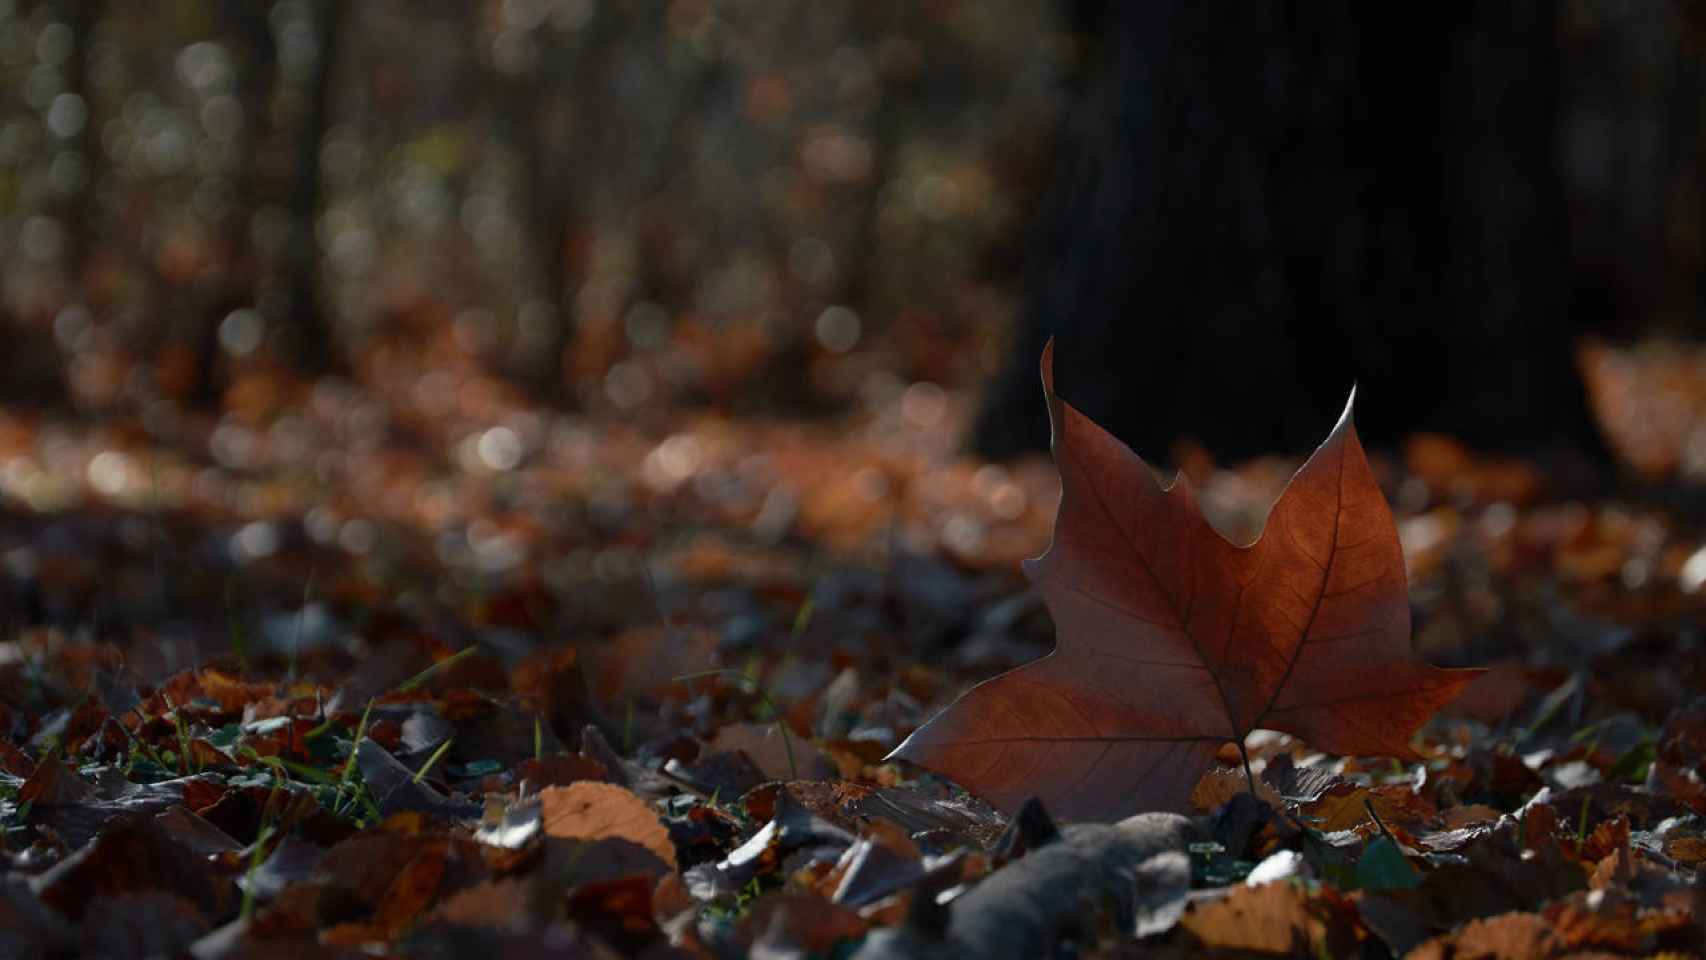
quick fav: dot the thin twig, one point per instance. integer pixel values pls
(1248, 775)
(1368, 805)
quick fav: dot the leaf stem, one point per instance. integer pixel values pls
(1368, 805)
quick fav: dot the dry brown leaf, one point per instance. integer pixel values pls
(15, 761)
(778, 759)
(799, 924)
(1172, 641)
(1596, 921)
(1679, 767)
(133, 855)
(1271, 918)
(1344, 806)
(412, 891)
(52, 783)
(1221, 784)
(595, 811)
(495, 903)
(619, 912)
(560, 771)
(1510, 936)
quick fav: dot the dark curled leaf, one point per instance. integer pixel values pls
(395, 788)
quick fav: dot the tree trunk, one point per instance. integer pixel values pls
(1251, 214)
(316, 350)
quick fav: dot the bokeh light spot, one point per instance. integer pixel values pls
(838, 329)
(500, 449)
(241, 332)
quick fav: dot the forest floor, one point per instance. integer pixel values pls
(420, 668)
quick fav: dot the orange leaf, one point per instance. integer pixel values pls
(1270, 918)
(594, 811)
(1173, 640)
(412, 891)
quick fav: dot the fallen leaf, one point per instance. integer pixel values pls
(559, 771)
(133, 855)
(53, 784)
(495, 903)
(1583, 922)
(552, 681)
(594, 811)
(502, 943)
(794, 828)
(955, 820)
(29, 927)
(1173, 641)
(872, 871)
(385, 871)
(1272, 918)
(292, 861)
(15, 761)
(618, 911)
(412, 891)
(395, 787)
(1383, 867)
(1501, 871)
(778, 758)
(1678, 768)
(1509, 935)
(1344, 806)
(793, 924)
(144, 924)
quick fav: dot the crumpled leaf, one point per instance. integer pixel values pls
(1173, 640)
(78, 809)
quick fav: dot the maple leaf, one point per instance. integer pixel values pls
(1172, 641)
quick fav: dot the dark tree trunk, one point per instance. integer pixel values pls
(240, 282)
(80, 216)
(29, 375)
(306, 311)
(1250, 214)
(549, 212)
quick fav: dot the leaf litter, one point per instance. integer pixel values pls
(627, 718)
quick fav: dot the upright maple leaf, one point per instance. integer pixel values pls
(1173, 641)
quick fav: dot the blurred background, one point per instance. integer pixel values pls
(609, 206)
(618, 207)
(483, 284)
